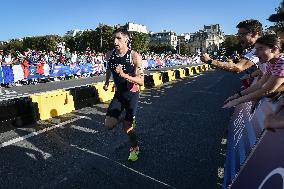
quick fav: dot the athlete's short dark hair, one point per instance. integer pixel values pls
(122, 30)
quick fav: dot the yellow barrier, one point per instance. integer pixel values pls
(190, 71)
(141, 88)
(198, 69)
(105, 96)
(54, 103)
(201, 68)
(157, 78)
(194, 69)
(206, 66)
(181, 72)
(172, 75)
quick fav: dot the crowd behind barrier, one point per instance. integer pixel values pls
(16, 74)
(32, 67)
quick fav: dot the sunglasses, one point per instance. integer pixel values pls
(242, 34)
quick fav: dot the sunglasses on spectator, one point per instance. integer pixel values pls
(242, 34)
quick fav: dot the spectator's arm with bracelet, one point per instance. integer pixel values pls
(242, 64)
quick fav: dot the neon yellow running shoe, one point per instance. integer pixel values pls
(133, 156)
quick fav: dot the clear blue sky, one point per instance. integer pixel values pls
(20, 18)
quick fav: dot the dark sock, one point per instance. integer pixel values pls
(132, 138)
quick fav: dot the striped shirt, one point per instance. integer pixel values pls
(276, 68)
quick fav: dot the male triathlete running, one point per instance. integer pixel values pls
(125, 65)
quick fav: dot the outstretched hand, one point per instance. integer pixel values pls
(235, 96)
(205, 57)
(231, 104)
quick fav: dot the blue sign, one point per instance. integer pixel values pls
(243, 132)
(7, 74)
(1, 75)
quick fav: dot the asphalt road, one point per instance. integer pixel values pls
(180, 129)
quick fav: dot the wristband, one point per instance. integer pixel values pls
(209, 61)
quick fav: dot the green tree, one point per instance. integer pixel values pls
(276, 25)
(103, 32)
(70, 42)
(92, 39)
(82, 41)
(184, 49)
(14, 45)
(47, 42)
(107, 38)
(140, 42)
(161, 48)
(231, 44)
(3, 45)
